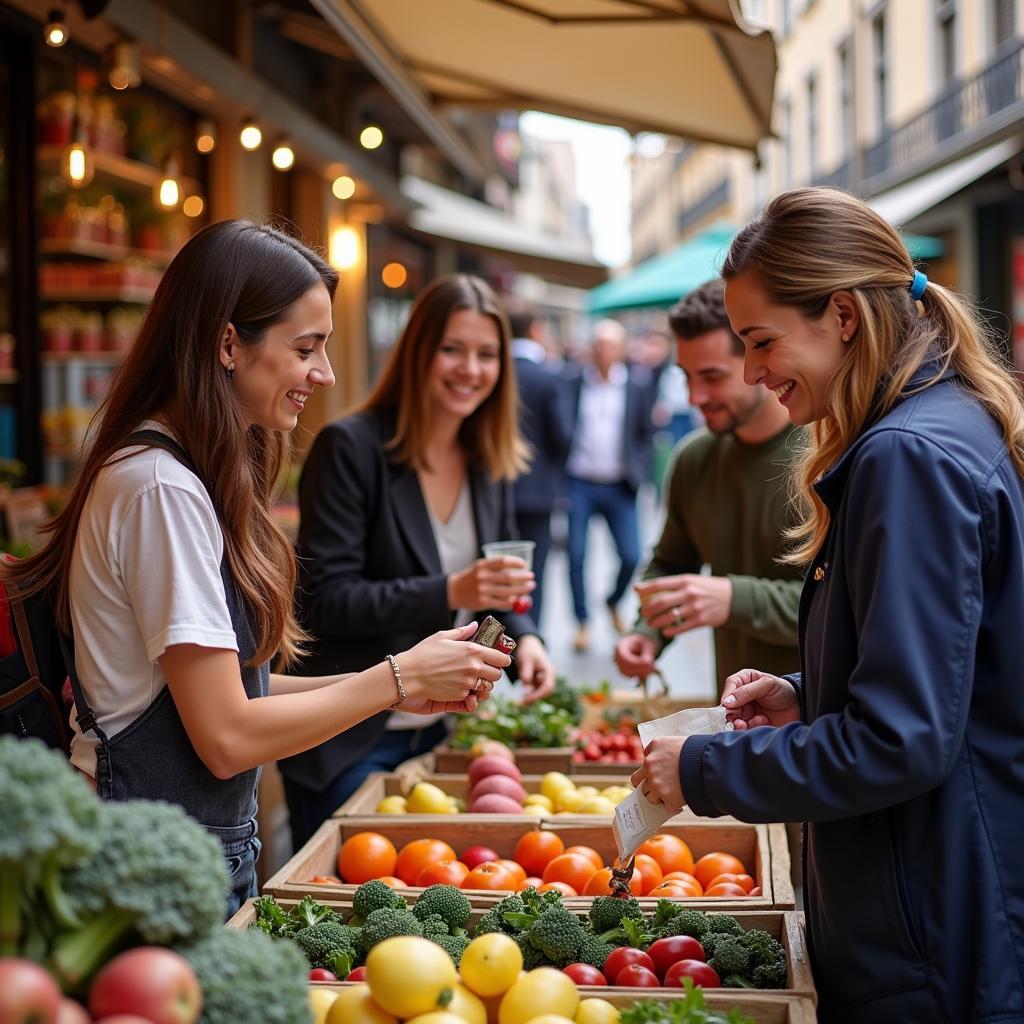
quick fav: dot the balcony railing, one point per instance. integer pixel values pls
(964, 107)
(708, 203)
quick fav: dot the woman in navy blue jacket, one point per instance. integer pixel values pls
(900, 742)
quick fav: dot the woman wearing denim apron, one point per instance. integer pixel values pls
(171, 572)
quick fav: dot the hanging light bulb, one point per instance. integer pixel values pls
(168, 191)
(193, 206)
(206, 136)
(371, 137)
(121, 60)
(76, 164)
(283, 157)
(250, 136)
(56, 30)
(343, 187)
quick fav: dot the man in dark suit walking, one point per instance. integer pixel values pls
(609, 459)
(546, 425)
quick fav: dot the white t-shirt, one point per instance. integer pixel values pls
(145, 574)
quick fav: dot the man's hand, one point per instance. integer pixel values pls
(658, 776)
(677, 604)
(753, 698)
(536, 672)
(635, 654)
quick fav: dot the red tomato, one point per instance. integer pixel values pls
(703, 976)
(666, 952)
(584, 974)
(635, 976)
(623, 957)
(321, 974)
(477, 855)
(357, 974)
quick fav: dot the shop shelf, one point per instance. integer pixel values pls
(120, 294)
(115, 168)
(87, 249)
(96, 358)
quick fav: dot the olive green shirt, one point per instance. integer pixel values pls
(727, 508)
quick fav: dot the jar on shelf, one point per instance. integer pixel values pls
(56, 115)
(89, 336)
(58, 328)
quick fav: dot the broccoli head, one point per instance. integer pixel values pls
(771, 975)
(50, 823)
(532, 957)
(447, 902)
(594, 952)
(685, 922)
(158, 875)
(731, 956)
(494, 919)
(325, 941)
(434, 925)
(724, 923)
(664, 911)
(386, 924)
(247, 976)
(453, 945)
(375, 895)
(764, 949)
(558, 934)
(607, 912)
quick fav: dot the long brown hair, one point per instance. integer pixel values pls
(811, 242)
(235, 272)
(490, 436)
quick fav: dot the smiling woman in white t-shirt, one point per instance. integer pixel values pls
(168, 565)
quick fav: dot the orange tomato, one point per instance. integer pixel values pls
(671, 853)
(535, 849)
(391, 881)
(724, 889)
(650, 871)
(531, 882)
(589, 852)
(600, 883)
(745, 882)
(491, 876)
(565, 890)
(324, 880)
(415, 856)
(673, 890)
(711, 865)
(687, 881)
(443, 872)
(366, 856)
(515, 870)
(570, 868)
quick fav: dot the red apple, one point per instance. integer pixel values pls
(494, 748)
(28, 995)
(477, 855)
(154, 983)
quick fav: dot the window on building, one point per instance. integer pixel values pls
(812, 126)
(880, 57)
(945, 42)
(1004, 21)
(847, 129)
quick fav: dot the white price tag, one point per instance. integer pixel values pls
(636, 820)
(692, 722)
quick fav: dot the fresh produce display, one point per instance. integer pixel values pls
(616, 938)
(92, 894)
(545, 723)
(610, 744)
(664, 864)
(692, 1008)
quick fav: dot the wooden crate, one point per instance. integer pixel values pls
(319, 856)
(531, 761)
(645, 708)
(785, 926)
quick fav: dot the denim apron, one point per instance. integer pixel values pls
(153, 758)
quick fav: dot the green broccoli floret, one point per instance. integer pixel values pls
(491, 922)
(272, 918)
(385, 924)
(50, 823)
(594, 952)
(709, 942)
(731, 956)
(375, 895)
(664, 911)
(558, 934)
(447, 902)
(725, 923)
(532, 957)
(323, 942)
(453, 945)
(494, 919)
(764, 949)
(158, 875)
(608, 912)
(247, 976)
(434, 925)
(771, 975)
(550, 897)
(685, 922)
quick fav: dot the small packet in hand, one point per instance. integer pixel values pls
(691, 722)
(491, 633)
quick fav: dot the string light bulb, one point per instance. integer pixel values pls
(250, 136)
(123, 65)
(193, 206)
(206, 136)
(283, 157)
(371, 137)
(76, 164)
(168, 191)
(344, 249)
(343, 187)
(55, 31)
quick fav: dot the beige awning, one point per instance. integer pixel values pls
(691, 69)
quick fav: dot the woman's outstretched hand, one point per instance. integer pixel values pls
(490, 583)
(752, 698)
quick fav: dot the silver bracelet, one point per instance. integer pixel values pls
(393, 662)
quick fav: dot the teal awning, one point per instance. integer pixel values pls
(662, 281)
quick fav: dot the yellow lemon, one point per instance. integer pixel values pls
(537, 810)
(554, 783)
(541, 800)
(569, 800)
(437, 1017)
(587, 790)
(426, 798)
(596, 805)
(491, 964)
(542, 991)
(355, 1005)
(616, 793)
(320, 1000)
(596, 1011)
(392, 805)
(467, 1006)
(552, 1018)
(408, 975)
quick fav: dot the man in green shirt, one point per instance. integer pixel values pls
(727, 501)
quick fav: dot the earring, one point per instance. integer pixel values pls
(845, 337)
(230, 369)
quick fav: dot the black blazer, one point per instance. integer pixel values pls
(546, 425)
(370, 577)
(637, 427)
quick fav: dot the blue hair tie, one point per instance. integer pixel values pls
(918, 285)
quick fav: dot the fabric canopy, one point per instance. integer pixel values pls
(690, 68)
(662, 281)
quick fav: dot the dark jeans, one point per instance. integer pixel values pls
(309, 808)
(617, 503)
(536, 526)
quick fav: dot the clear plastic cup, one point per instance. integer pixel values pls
(515, 548)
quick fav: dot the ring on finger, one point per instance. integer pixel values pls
(677, 616)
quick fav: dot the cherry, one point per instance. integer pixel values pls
(523, 604)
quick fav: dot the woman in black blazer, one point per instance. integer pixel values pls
(396, 501)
